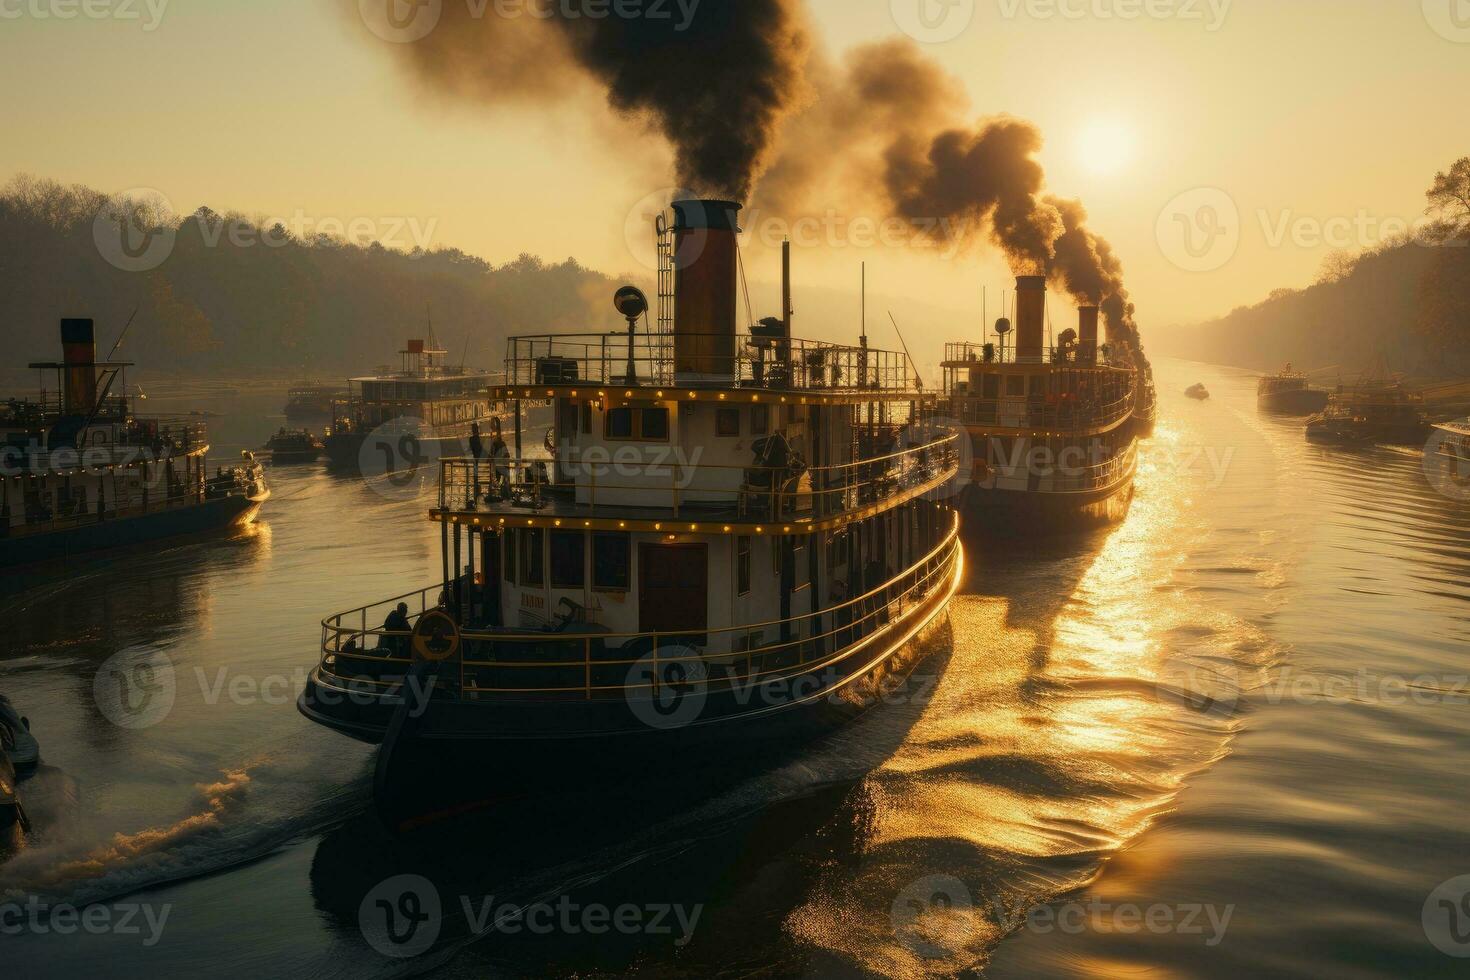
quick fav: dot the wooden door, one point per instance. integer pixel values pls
(673, 590)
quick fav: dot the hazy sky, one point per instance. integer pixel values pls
(1307, 118)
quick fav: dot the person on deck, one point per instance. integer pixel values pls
(500, 459)
(397, 623)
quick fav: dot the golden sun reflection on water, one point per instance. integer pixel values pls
(1065, 722)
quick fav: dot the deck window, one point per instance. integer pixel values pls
(512, 542)
(532, 558)
(1016, 384)
(586, 418)
(568, 559)
(742, 566)
(618, 423)
(612, 558)
(760, 420)
(655, 424)
(727, 422)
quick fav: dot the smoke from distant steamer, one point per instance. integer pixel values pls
(744, 101)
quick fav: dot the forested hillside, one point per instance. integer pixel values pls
(264, 303)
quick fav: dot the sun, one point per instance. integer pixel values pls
(1105, 146)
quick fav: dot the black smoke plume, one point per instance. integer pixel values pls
(716, 84)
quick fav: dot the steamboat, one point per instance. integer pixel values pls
(1290, 393)
(732, 539)
(82, 471)
(1053, 431)
(313, 400)
(424, 412)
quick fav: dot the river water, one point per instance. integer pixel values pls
(1228, 736)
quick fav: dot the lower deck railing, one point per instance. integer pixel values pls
(589, 666)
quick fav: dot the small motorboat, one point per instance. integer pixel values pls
(16, 741)
(294, 446)
(1198, 392)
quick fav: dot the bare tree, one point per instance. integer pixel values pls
(1449, 202)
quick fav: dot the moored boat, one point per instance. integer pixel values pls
(731, 540)
(82, 471)
(1290, 393)
(1369, 413)
(1053, 432)
(294, 446)
(313, 400)
(1453, 441)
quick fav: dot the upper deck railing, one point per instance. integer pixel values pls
(113, 437)
(983, 355)
(600, 488)
(759, 362)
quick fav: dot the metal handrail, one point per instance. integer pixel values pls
(464, 484)
(875, 608)
(764, 363)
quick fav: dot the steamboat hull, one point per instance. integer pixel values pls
(211, 515)
(539, 730)
(991, 512)
(1297, 402)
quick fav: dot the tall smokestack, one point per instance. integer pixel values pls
(1087, 334)
(79, 353)
(705, 258)
(1030, 318)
